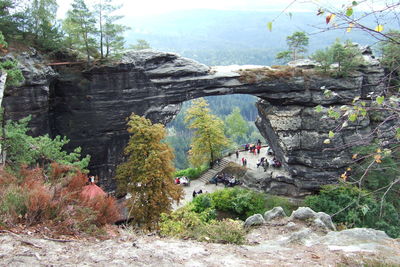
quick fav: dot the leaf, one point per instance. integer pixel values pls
(378, 158)
(318, 108)
(329, 18)
(354, 3)
(354, 156)
(269, 26)
(351, 25)
(353, 117)
(290, 15)
(379, 28)
(364, 209)
(398, 133)
(327, 141)
(320, 12)
(331, 134)
(380, 99)
(349, 11)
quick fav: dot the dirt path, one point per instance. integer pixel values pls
(252, 160)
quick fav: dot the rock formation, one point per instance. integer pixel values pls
(90, 107)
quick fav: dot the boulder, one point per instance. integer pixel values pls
(303, 213)
(256, 219)
(327, 220)
(275, 213)
(320, 219)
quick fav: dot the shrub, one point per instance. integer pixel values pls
(13, 206)
(185, 223)
(180, 222)
(355, 207)
(191, 173)
(225, 231)
(242, 202)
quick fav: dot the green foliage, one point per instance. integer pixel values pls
(24, 149)
(3, 43)
(346, 56)
(192, 173)
(297, 44)
(42, 23)
(14, 74)
(225, 231)
(383, 167)
(140, 45)
(277, 201)
(110, 34)
(242, 202)
(13, 202)
(355, 207)
(391, 54)
(148, 173)
(236, 127)
(185, 223)
(208, 140)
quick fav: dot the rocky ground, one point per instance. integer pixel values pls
(268, 247)
(278, 242)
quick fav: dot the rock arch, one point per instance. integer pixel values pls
(90, 108)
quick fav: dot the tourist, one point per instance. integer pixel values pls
(184, 181)
(237, 154)
(177, 181)
(194, 194)
(245, 162)
(258, 148)
(259, 142)
(200, 192)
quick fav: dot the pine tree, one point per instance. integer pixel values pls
(80, 25)
(42, 23)
(148, 173)
(297, 43)
(208, 140)
(111, 38)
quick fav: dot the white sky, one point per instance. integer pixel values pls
(150, 7)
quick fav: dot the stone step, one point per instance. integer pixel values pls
(212, 172)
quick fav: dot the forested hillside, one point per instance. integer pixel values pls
(223, 37)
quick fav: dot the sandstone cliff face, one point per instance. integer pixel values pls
(90, 108)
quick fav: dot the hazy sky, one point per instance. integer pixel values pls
(149, 7)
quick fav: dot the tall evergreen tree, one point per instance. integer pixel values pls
(80, 25)
(148, 172)
(42, 23)
(110, 33)
(208, 140)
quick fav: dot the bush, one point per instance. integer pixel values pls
(30, 199)
(185, 223)
(242, 202)
(191, 173)
(225, 231)
(14, 74)
(354, 207)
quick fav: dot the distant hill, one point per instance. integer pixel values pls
(221, 37)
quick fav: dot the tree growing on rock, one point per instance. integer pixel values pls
(236, 126)
(208, 139)
(297, 44)
(148, 173)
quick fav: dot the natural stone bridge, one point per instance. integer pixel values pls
(90, 107)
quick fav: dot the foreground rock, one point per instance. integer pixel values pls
(268, 246)
(90, 107)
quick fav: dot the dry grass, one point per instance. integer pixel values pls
(31, 198)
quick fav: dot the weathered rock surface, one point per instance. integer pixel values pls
(320, 219)
(256, 219)
(275, 213)
(90, 108)
(267, 245)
